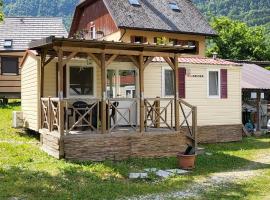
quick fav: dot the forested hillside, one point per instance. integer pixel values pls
(59, 8)
(254, 12)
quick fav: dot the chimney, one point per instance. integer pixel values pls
(215, 55)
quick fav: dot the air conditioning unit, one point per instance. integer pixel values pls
(17, 119)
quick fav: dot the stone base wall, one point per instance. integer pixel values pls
(50, 143)
(219, 133)
(122, 146)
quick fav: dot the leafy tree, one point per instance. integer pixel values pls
(1, 11)
(236, 40)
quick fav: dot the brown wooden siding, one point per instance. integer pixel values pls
(10, 85)
(97, 13)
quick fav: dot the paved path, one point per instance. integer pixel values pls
(213, 181)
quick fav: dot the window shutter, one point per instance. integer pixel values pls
(155, 39)
(224, 84)
(182, 82)
(132, 39)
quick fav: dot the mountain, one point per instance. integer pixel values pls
(56, 8)
(254, 12)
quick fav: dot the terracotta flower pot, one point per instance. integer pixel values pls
(186, 162)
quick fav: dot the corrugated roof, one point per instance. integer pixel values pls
(23, 30)
(157, 15)
(199, 60)
(255, 77)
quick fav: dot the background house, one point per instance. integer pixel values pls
(15, 35)
(255, 85)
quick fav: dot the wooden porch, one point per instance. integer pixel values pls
(99, 129)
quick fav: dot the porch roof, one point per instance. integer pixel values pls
(110, 47)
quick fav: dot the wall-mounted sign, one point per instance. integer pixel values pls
(189, 74)
(196, 76)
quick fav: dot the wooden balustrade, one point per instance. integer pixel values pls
(57, 115)
(82, 115)
(121, 110)
(159, 113)
(189, 122)
(45, 113)
(50, 112)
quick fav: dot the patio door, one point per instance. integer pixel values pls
(122, 88)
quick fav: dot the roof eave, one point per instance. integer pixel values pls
(168, 31)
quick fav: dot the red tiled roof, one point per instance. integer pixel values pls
(197, 60)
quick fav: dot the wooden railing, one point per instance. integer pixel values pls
(120, 112)
(159, 113)
(64, 116)
(188, 119)
(82, 115)
(50, 114)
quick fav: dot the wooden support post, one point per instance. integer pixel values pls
(103, 90)
(258, 103)
(194, 127)
(60, 74)
(61, 117)
(60, 103)
(42, 66)
(49, 115)
(157, 113)
(176, 93)
(141, 78)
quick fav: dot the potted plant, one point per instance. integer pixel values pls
(186, 160)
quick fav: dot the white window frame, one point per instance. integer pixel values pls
(92, 31)
(163, 82)
(80, 64)
(219, 82)
(126, 66)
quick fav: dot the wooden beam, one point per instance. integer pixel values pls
(117, 52)
(170, 62)
(70, 56)
(103, 90)
(176, 92)
(148, 61)
(134, 60)
(141, 78)
(96, 60)
(48, 60)
(111, 59)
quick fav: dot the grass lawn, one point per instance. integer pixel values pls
(28, 173)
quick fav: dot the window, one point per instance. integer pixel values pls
(213, 83)
(138, 39)
(9, 65)
(81, 81)
(93, 32)
(174, 7)
(134, 2)
(8, 43)
(168, 81)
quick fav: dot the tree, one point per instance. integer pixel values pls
(236, 40)
(1, 11)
